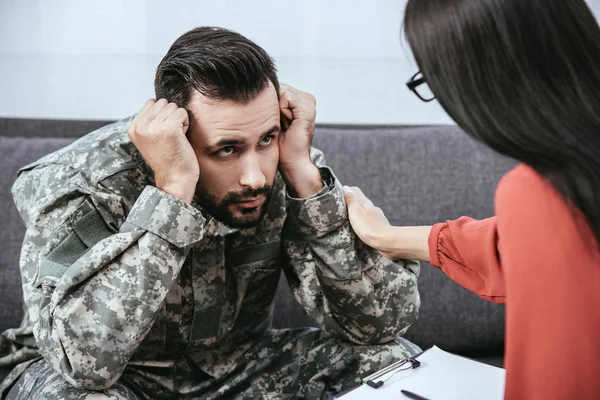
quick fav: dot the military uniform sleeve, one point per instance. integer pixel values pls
(347, 287)
(94, 278)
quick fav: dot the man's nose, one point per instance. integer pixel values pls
(252, 175)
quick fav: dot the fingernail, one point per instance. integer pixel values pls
(346, 189)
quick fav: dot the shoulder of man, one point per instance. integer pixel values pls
(103, 164)
(98, 155)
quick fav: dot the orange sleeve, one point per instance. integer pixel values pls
(542, 258)
(552, 273)
(466, 250)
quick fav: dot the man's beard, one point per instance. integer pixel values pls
(246, 218)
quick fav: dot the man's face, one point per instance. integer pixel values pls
(238, 154)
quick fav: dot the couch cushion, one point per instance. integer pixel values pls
(16, 152)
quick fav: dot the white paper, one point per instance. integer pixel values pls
(441, 376)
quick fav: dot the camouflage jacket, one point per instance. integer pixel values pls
(116, 271)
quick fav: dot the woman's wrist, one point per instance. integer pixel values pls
(406, 242)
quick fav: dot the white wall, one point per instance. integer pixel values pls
(96, 59)
(84, 59)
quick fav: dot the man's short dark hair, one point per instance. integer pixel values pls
(218, 63)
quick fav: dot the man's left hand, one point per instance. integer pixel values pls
(298, 112)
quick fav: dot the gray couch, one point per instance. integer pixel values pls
(417, 174)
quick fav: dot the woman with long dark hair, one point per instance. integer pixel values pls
(523, 77)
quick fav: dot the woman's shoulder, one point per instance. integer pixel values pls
(523, 188)
(530, 210)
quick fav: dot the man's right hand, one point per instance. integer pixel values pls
(158, 132)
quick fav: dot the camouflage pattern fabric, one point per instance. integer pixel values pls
(119, 276)
(285, 364)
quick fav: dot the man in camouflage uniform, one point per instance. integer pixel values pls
(153, 251)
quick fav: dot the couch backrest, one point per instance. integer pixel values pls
(417, 175)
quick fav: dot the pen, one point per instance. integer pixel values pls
(412, 395)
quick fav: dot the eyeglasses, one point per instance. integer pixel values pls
(419, 86)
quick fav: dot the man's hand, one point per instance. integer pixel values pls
(298, 110)
(158, 132)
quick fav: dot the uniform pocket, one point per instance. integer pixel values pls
(256, 285)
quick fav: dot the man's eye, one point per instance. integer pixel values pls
(266, 140)
(226, 151)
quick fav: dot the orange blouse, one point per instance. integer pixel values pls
(542, 260)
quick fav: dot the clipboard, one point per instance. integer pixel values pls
(439, 375)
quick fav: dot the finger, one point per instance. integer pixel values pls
(155, 110)
(286, 106)
(362, 199)
(288, 114)
(349, 196)
(284, 88)
(182, 117)
(285, 123)
(352, 202)
(167, 111)
(149, 103)
(293, 92)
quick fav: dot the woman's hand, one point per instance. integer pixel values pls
(367, 220)
(373, 228)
